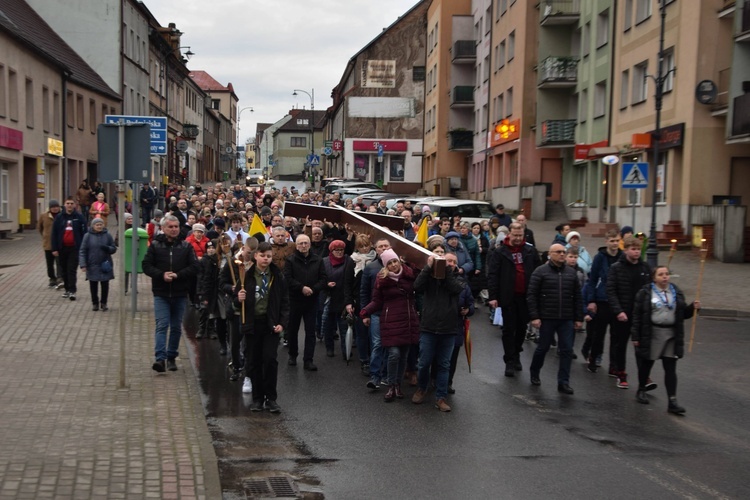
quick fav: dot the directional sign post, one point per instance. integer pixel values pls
(314, 160)
(634, 175)
(158, 129)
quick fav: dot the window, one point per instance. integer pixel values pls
(602, 29)
(668, 68)
(600, 99)
(29, 103)
(434, 75)
(12, 95)
(511, 46)
(45, 109)
(56, 110)
(215, 103)
(501, 55)
(509, 100)
(3, 90)
(640, 85)
(499, 109)
(513, 168)
(661, 180)
(486, 67)
(303, 121)
(627, 20)
(434, 117)
(487, 21)
(583, 99)
(642, 10)
(298, 142)
(586, 39)
(417, 74)
(92, 116)
(4, 193)
(483, 125)
(624, 87)
(435, 40)
(79, 111)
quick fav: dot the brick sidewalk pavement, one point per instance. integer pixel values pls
(68, 431)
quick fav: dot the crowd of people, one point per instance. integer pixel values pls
(256, 276)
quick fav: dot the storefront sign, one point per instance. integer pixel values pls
(379, 74)
(581, 151)
(505, 131)
(671, 137)
(388, 146)
(54, 147)
(11, 138)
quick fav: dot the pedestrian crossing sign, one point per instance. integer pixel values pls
(634, 175)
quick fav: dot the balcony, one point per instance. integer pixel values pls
(558, 133)
(190, 132)
(461, 140)
(557, 72)
(720, 106)
(560, 12)
(741, 116)
(464, 52)
(462, 96)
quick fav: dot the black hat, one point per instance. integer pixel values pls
(218, 222)
(265, 211)
(54, 203)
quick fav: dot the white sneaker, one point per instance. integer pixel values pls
(247, 386)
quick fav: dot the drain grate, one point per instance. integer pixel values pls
(271, 487)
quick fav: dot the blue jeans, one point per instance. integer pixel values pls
(397, 363)
(376, 350)
(363, 341)
(565, 337)
(330, 322)
(438, 347)
(168, 313)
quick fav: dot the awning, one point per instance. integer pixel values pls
(595, 153)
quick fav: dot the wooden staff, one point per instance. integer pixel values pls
(671, 254)
(704, 251)
(242, 285)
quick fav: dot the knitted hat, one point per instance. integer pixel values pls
(199, 227)
(571, 235)
(625, 230)
(219, 223)
(127, 216)
(54, 203)
(210, 244)
(335, 244)
(265, 210)
(388, 256)
(452, 234)
(426, 209)
(158, 214)
(95, 220)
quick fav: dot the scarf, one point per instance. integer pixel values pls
(396, 276)
(337, 261)
(361, 260)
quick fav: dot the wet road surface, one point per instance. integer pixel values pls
(504, 437)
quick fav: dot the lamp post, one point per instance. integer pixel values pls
(652, 253)
(239, 115)
(312, 122)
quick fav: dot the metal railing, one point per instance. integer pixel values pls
(462, 94)
(741, 116)
(464, 49)
(557, 69)
(558, 132)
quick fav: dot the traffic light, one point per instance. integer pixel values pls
(505, 128)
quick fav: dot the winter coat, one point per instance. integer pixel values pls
(472, 247)
(641, 328)
(369, 275)
(584, 258)
(278, 299)
(399, 322)
(620, 288)
(175, 256)
(597, 289)
(465, 300)
(59, 225)
(501, 272)
(227, 284)
(199, 247)
(97, 248)
(343, 293)
(281, 252)
(44, 226)
(301, 271)
(554, 293)
(465, 261)
(208, 284)
(440, 300)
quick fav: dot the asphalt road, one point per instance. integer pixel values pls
(504, 437)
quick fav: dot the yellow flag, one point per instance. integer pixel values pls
(257, 226)
(422, 233)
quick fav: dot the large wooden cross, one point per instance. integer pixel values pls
(375, 225)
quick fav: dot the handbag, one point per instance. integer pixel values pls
(107, 266)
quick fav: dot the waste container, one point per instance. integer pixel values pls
(142, 247)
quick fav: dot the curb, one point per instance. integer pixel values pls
(726, 313)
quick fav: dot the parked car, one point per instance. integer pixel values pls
(469, 210)
(354, 192)
(390, 198)
(335, 185)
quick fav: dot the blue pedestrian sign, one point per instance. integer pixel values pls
(380, 150)
(158, 129)
(314, 160)
(634, 175)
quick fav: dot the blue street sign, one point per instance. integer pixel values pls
(380, 150)
(634, 175)
(315, 161)
(328, 151)
(158, 129)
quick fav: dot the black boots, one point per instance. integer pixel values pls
(641, 396)
(674, 407)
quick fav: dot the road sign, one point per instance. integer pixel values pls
(314, 160)
(137, 159)
(634, 175)
(181, 146)
(329, 144)
(338, 145)
(380, 150)
(328, 151)
(158, 129)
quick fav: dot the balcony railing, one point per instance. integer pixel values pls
(558, 132)
(722, 96)
(462, 96)
(461, 140)
(560, 12)
(741, 116)
(557, 71)
(745, 19)
(464, 51)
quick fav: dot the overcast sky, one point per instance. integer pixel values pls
(268, 48)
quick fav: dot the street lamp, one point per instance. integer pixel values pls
(189, 52)
(312, 121)
(652, 252)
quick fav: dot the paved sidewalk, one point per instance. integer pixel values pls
(67, 430)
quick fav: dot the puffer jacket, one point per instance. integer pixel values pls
(97, 248)
(501, 272)
(343, 293)
(641, 328)
(597, 290)
(175, 256)
(395, 300)
(199, 247)
(439, 301)
(465, 261)
(621, 288)
(554, 293)
(472, 247)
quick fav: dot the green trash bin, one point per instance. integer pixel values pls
(142, 247)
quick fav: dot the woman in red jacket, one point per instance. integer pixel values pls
(393, 296)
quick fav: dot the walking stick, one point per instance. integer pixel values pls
(704, 251)
(242, 285)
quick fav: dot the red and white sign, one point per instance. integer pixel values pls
(11, 138)
(388, 146)
(581, 151)
(338, 145)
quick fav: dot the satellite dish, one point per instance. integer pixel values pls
(611, 160)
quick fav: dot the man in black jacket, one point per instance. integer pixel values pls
(306, 278)
(555, 306)
(624, 279)
(171, 264)
(68, 229)
(508, 275)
